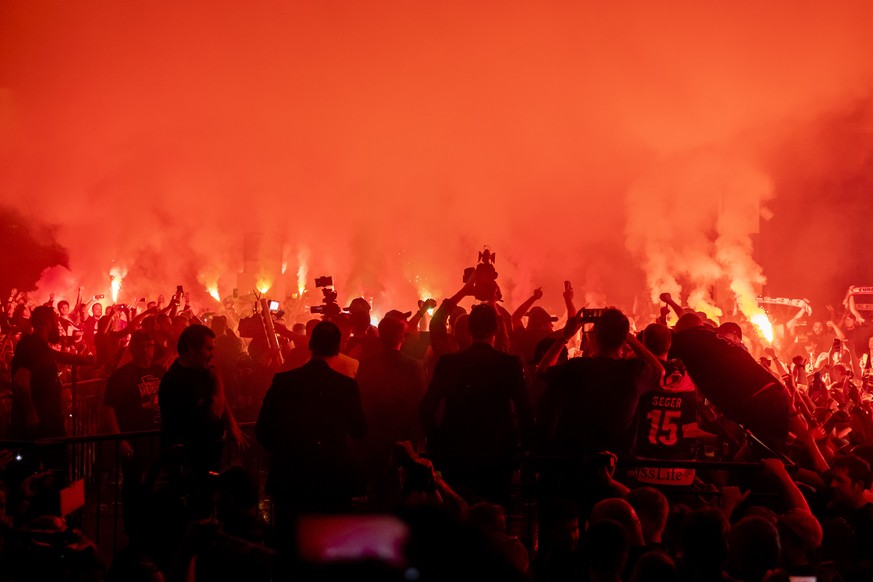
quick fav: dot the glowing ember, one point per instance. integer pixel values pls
(765, 328)
(214, 292)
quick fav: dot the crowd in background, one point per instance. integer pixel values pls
(439, 420)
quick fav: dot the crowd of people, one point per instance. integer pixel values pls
(640, 450)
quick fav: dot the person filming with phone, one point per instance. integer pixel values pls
(590, 403)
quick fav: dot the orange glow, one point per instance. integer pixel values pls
(264, 284)
(214, 293)
(116, 275)
(302, 270)
(115, 284)
(763, 325)
(628, 147)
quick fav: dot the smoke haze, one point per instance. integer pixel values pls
(627, 147)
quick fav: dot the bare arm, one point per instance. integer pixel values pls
(568, 300)
(643, 353)
(776, 468)
(677, 309)
(525, 307)
(550, 358)
(781, 370)
(854, 310)
(412, 324)
(793, 321)
(69, 359)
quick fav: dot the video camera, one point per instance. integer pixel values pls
(484, 276)
(329, 307)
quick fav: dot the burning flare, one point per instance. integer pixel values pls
(765, 328)
(302, 270)
(214, 292)
(116, 274)
(263, 284)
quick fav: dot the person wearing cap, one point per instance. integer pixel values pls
(392, 385)
(733, 333)
(364, 338)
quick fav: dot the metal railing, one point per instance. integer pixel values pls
(96, 461)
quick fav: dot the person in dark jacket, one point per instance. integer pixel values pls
(308, 416)
(485, 398)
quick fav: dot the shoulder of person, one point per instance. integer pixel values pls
(120, 371)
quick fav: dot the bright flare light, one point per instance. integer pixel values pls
(424, 295)
(263, 285)
(214, 292)
(116, 287)
(765, 328)
(302, 270)
(116, 274)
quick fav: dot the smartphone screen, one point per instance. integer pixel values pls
(352, 537)
(274, 305)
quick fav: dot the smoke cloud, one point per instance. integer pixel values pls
(628, 148)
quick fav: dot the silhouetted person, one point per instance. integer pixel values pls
(733, 381)
(392, 385)
(131, 405)
(306, 420)
(194, 411)
(37, 410)
(589, 407)
(485, 397)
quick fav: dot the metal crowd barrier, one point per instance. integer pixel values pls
(94, 464)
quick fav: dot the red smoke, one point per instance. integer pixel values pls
(389, 141)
